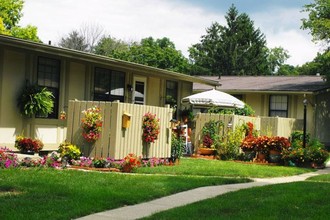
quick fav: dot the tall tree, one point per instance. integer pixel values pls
(276, 58)
(318, 21)
(235, 49)
(160, 53)
(84, 39)
(74, 41)
(110, 46)
(10, 14)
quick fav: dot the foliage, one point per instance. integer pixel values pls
(25, 144)
(298, 136)
(92, 123)
(229, 147)
(299, 156)
(35, 100)
(235, 49)
(83, 39)
(69, 151)
(247, 110)
(211, 133)
(27, 33)
(177, 147)
(110, 46)
(74, 41)
(318, 21)
(150, 126)
(10, 14)
(8, 159)
(249, 142)
(276, 58)
(160, 53)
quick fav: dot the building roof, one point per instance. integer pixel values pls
(264, 84)
(89, 57)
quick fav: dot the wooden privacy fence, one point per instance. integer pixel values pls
(115, 141)
(269, 126)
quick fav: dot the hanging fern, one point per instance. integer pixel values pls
(35, 100)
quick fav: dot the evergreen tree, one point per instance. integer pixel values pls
(235, 49)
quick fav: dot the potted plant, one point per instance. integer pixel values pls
(92, 124)
(35, 100)
(28, 145)
(210, 137)
(276, 145)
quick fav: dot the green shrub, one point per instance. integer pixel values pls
(229, 148)
(177, 147)
(69, 151)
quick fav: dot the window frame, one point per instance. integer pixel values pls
(275, 110)
(54, 89)
(110, 78)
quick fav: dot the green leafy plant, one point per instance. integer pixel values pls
(247, 111)
(210, 134)
(229, 148)
(177, 147)
(35, 100)
(69, 151)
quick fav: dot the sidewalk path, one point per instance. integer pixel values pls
(190, 196)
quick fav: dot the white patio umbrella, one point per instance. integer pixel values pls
(213, 98)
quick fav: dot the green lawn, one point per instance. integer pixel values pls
(299, 200)
(65, 194)
(203, 167)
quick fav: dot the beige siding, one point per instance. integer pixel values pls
(76, 81)
(153, 92)
(12, 81)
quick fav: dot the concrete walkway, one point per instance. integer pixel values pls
(191, 196)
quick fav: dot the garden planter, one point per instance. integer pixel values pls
(249, 155)
(206, 151)
(274, 156)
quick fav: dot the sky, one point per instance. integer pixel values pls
(182, 21)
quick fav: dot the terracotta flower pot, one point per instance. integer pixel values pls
(206, 151)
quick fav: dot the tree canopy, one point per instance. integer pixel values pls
(160, 53)
(10, 15)
(235, 49)
(318, 21)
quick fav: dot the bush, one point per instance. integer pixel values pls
(177, 147)
(229, 148)
(69, 151)
(299, 156)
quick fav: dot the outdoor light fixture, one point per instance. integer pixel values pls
(305, 102)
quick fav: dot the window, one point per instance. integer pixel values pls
(48, 72)
(171, 93)
(108, 85)
(278, 105)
